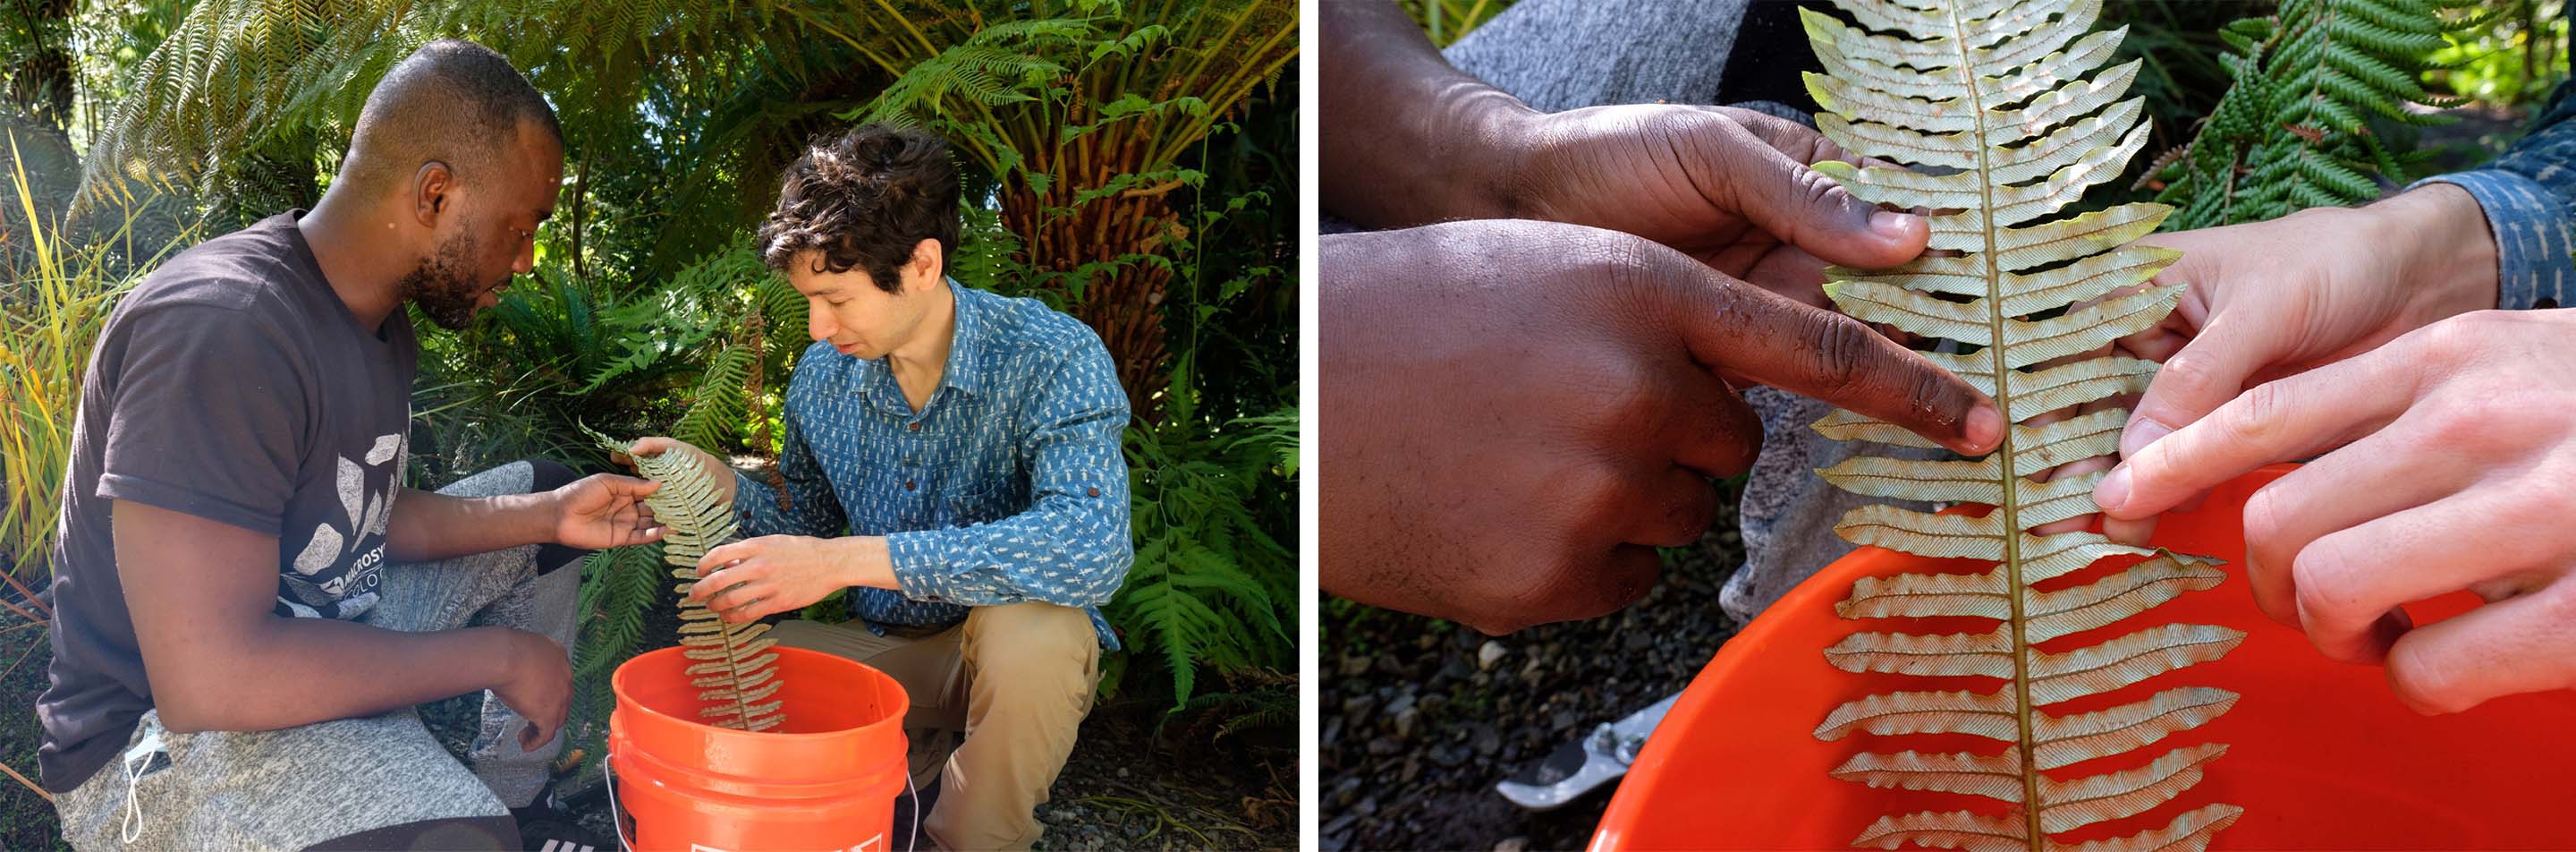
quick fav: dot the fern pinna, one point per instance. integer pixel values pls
(733, 661)
(1989, 99)
(2293, 129)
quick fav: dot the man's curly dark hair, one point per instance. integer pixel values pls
(864, 200)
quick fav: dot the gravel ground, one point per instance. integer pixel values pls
(1421, 717)
(26, 819)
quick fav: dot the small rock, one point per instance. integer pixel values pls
(1513, 844)
(1487, 655)
(1405, 722)
(1384, 746)
(1486, 741)
(1356, 666)
(1357, 707)
(1456, 669)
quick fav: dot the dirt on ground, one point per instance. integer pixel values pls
(26, 818)
(1420, 718)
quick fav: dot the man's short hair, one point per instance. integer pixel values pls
(863, 200)
(452, 101)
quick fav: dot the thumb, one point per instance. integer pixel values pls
(1752, 334)
(1806, 208)
(2207, 372)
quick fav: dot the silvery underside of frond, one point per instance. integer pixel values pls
(1997, 114)
(730, 664)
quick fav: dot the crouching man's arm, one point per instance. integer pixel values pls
(594, 513)
(1071, 547)
(202, 593)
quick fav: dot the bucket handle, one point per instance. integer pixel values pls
(910, 844)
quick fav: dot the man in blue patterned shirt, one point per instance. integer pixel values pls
(952, 459)
(2420, 345)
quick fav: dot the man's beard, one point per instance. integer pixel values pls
(441, 286)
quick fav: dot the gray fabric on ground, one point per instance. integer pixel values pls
(1557, 55)
(293, 788)
(1787, 513)
(1564, 54)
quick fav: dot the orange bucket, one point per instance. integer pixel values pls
(2321, 755)
(825, 779)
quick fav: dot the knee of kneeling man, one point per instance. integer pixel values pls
(1032, 640)
(548, 475)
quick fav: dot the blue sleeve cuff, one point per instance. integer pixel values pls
(2530, 224)
(755, 507)
(917, 566)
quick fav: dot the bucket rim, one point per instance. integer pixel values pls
(625, 702)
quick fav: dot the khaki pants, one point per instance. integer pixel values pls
(1016, 680)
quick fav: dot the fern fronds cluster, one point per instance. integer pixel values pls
(732, 668)
(617, 586)
(1211, 586)
(2293, 130)
(1992, 101)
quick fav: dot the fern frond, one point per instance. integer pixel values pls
(731, 662)
(618, 587)
(2293, 130)
(718, 401)
(2006, 103)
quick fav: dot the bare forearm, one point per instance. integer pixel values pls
(1409, 139)
(285, 672)
(427, 525)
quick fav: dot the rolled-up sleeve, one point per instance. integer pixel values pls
(2528, 195)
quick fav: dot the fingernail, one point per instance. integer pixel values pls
(2113, 491)
(2140, 433)
(1985, 427)
(1890, 224)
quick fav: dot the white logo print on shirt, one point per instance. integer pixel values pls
(364, 512)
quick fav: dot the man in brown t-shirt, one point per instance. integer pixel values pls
(248, 602)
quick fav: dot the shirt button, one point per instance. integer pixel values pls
(1093, 491)
(907, 485)
(914, 425)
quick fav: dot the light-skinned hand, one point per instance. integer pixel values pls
(2447, 455)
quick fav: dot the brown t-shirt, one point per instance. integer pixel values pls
(233, 385)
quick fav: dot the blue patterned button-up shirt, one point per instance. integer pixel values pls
(1009, 485)
(2527, 195)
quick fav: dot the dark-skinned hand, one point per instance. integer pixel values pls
(1516, 413)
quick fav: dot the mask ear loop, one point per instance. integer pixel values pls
(137, 760)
